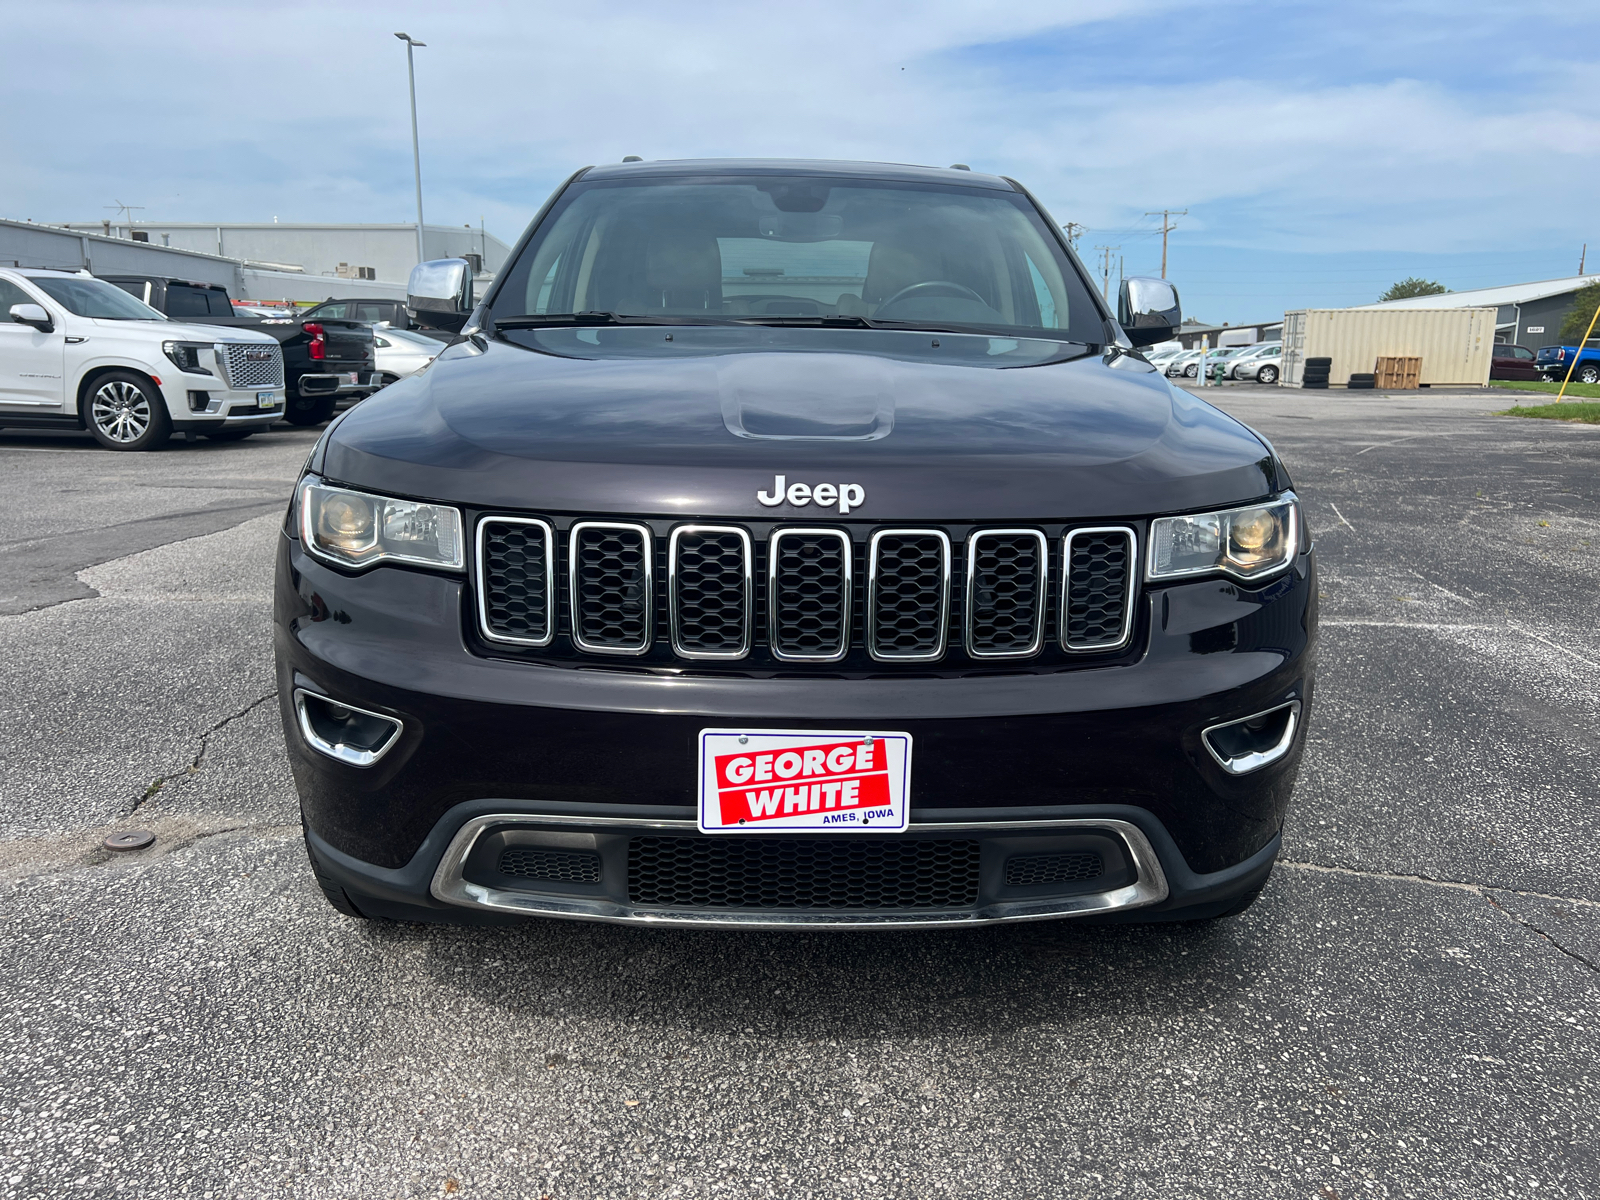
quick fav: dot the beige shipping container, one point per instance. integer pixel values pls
(1455, 344)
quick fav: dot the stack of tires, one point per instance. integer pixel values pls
(1316, 372)
(1360, 381)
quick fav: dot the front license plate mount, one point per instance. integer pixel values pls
(804, 781)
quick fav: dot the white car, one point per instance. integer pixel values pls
(1186, 364)
(1264, 363)
(80, 353)
(399, 352)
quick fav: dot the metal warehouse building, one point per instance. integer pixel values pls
(380, 252)
(1527, 314)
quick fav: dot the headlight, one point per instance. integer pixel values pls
(186, 356)
(1246, 543)
(358, 529)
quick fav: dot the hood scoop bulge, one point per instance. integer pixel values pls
(807, 397)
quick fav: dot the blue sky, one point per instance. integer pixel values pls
(1322, 150)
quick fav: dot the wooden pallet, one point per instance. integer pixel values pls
(1399, 372)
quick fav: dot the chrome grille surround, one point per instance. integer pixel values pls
(261, 373)
(877, 565)
(589, 569)
(678, 583)
(487, 624)
(780, 627)
(970, 620)
(1076, 593)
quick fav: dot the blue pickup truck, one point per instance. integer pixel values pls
(1554, 361)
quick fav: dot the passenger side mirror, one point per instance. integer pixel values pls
(439, 293)
(32, 314)
(1148, 310)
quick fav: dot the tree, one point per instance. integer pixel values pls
(1584, 302)
(1412, 286)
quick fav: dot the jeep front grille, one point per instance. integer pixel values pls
(808, 595)
(247, 368)
(1006, 577)
(766, 597)
(609, 568)
(1098, 612)
(709, 591)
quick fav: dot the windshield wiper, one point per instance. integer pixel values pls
(839, 322)
(585, 319)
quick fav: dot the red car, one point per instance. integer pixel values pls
(1513, 362)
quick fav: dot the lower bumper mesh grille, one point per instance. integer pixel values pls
(756, 872)
(1030, 869)
(559, 866)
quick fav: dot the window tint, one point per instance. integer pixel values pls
(373, 310)
(11, 294)
(186, 302)
(333, 311)
(778, 247)
(94, 298)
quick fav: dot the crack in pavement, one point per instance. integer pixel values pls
(1482, 890)
(161, 781)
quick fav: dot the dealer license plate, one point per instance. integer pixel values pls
(804, 780)
(266, 400)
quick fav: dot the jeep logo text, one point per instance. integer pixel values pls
(847, 495)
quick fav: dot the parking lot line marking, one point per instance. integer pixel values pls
(1340, 515)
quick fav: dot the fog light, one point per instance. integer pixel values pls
(1253, 742)
(198, 401)
(351, 735)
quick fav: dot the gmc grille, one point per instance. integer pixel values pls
(781, 599)
(248, 368)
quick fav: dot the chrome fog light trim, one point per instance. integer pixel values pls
(1254, 760)
(340, 751)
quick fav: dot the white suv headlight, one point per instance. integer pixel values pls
(358, 529)
(1245, 543)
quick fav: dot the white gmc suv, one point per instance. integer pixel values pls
(79, 353)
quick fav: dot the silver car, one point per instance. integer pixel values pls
(1264, 363)
(399, 352)
(1186, 364)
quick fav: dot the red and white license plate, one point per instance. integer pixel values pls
(810, 780)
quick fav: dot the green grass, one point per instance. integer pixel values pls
(1589, 414)
(1592, 390)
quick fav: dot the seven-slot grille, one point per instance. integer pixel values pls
(792, 596)
(253, 365)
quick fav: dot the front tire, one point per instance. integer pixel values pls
(125, 411)
(1191, 371)
(1267, 375)
(331, 891)
(308, 410)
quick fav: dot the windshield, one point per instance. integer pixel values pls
(94, 298)
(780, 250)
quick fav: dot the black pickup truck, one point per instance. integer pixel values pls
(324, 360)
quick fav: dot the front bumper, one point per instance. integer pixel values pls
(490, 745)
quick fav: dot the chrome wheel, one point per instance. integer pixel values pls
(120, 411)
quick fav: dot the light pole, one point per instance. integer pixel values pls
(416, 152)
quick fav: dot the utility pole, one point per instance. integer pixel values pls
(1583, 257)
(416, 151)
(1074, 230)
(1166, 215)
(1105, 271)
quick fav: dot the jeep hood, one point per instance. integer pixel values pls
(654, 430)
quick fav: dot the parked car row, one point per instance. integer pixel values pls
(133, 359)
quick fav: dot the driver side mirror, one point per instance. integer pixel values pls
(32, 314)
(439, 293)
(1148, 310)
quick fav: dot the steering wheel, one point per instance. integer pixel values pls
(931, 287)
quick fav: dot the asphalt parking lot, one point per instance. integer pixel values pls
(1412, 1009)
